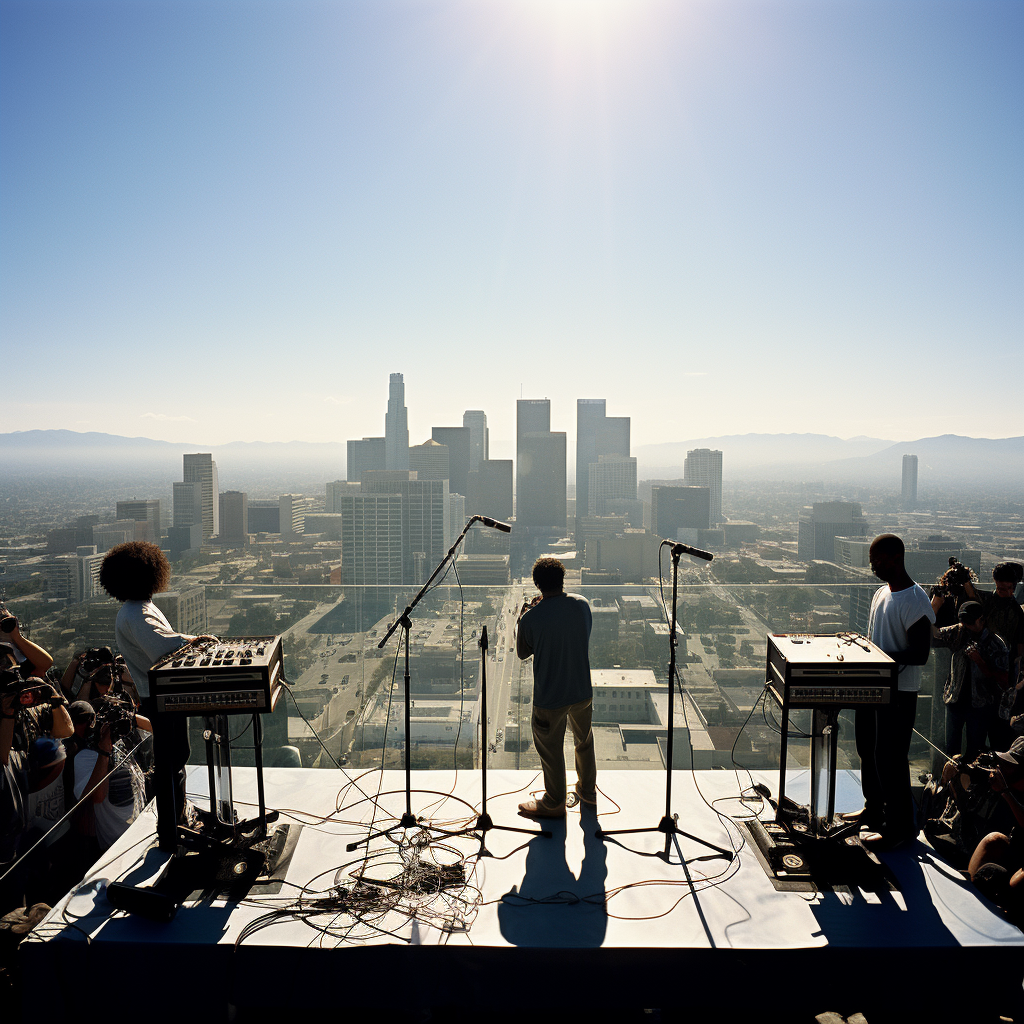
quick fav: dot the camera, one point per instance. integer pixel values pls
(95, 657)
(8, 622)
(977, 771)
(118, 714)
(28, 696)
(951, 582)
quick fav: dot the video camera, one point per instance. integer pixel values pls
(95, 658)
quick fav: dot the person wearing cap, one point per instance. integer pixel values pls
(997, 864)
(977, 678)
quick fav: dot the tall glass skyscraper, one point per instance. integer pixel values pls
(396, 426)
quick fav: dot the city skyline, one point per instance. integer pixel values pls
(696, 211)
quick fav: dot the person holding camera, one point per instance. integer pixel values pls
(30, 659)
(111, 778)
(977, 678)
(997, 864)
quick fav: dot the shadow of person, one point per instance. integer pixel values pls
(552, 908)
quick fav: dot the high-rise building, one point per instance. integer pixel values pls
(371, 539)
(429, 460)
(909, 482)
(479, 437)
(540, 468)
(200, 468)
(234, 516)
(144, 511)
(610, 478)
(185, 608)
(335, 490)
(679, 508)
(188, 503)
(264, 515)
(456, 514)
(425, 521)
(365, 455)
(490, 489)
(458, 442)
(596, 434)
(396, 426)
(703, 468)
(293, 514)
(817, 530)
(107, 535)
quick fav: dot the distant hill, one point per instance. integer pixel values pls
(943, 460)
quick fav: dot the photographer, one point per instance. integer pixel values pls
(977, 677)
(952, 589)
(12, 807)
(102, 767)
(997, 864)
(30, 659)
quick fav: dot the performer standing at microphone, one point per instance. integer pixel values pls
(555, 629)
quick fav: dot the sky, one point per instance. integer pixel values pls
(232, 220)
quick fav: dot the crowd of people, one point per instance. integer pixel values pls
(75, 747)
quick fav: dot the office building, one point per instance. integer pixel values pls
(108, 535)
(200, 468)
(458, 442)
(365, 455)
(185, 609)
(479, 437)
(264, 515)
(371, 539)
(686, 508)
(234, 516)
(429, 461)
(396, 426)
(143, 511)
(490, 490)
(909, 496)
(540, 469)
(703, 468)
(335, 489)
(596, 434)
(456, 514)
(425, 521)
(817, 530)
(187, 500)
(293, 514)
(610, 478)
(181, 539)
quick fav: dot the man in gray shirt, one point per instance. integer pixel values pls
(556, 631)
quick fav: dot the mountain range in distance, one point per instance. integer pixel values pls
(950, 458)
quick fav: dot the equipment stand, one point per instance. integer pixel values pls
(669, 822)
(483, 822)
(408, 819)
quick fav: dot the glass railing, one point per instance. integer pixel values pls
(345, 699)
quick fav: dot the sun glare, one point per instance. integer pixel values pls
(570, 18)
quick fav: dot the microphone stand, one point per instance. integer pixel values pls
(484, 824)
(408, 819)
(669, 822)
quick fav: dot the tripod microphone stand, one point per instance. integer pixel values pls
(408, 819)
(483, 822)
(668, 824)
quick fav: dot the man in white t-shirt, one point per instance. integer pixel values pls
(900, 623)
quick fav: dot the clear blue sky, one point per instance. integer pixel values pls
(232, 220)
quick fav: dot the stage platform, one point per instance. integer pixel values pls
(618, 924)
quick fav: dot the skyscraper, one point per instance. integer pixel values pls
(396, 426)
(365, 455)
(234, 515)
(459, 442)
(909, 481)
(425, 520)
(540, 468)
(142, 510)
(610, 478)
(490, 489)
(371, 539)
(479, 437)
(679, 508)
(817, 530)
(596, 434)
(429, 460)
(703, 468)
(200, 468)
(188, 503)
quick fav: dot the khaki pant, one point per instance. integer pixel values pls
(549, 736)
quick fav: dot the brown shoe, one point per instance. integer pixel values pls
(585, 798)
(539, 809)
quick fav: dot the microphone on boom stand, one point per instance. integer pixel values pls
(685, 549)
(496, 524)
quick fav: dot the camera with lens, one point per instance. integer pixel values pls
(977, 771)
(8, 622)
(117, 713)
(28, 693)
(95, 657)
(951, 582)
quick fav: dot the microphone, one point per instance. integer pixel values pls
(685, 549)
(487, 521)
